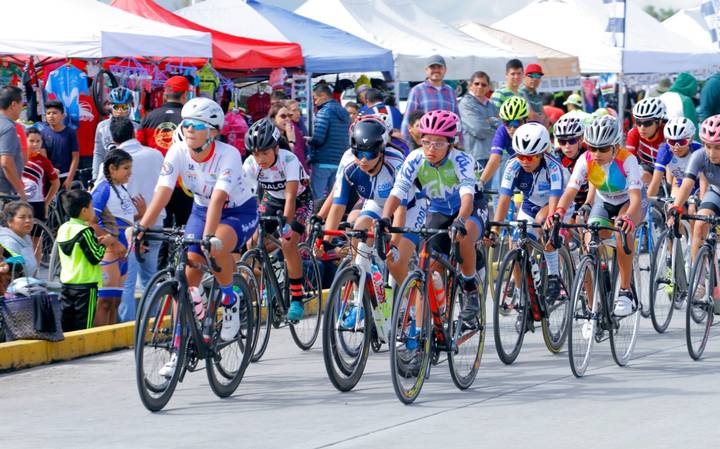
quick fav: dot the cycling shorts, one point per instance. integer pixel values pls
(711, 201)
(414, 218)
(270, 206)
(243, 219)
(441, 243)
(605, 214)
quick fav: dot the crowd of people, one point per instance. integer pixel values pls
(363, 161)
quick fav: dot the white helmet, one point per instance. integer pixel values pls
(569, 125)
(649, 108)
(602, 132)
(531, 139)
(679, 128)
(205, 110)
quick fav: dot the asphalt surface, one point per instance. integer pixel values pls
(663, 399)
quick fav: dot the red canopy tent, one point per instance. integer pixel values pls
(230, 53)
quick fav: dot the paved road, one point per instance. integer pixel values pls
(664, 399)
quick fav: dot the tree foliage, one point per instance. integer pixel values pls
(660, 13)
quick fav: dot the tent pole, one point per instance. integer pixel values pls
(621, 107)
(310, 103)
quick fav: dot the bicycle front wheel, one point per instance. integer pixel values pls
(306, 331)
(555, 324)
(410, 338)
(584, 300)
(511, 308)
(662, 284)
(468, 339)
(699, 315)
(262, 309)
(625, 329)
(53, 272)
(161, 337)
(43, 240)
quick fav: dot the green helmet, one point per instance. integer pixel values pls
(514, 108)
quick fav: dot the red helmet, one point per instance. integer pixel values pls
(440, 123)
(710, 130)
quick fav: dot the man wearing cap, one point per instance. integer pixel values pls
(574, 105)
(430, 95)
(533, 78)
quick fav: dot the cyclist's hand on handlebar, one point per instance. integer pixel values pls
(459, 226)
(384, 224)
(315, 219)
(626, 224)
(213, 243)
(673, 213)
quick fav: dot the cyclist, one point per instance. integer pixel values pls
(674, 155)
(286, 189)
(645, 138)
(541, 178)
(568, 132)
(224, 207)
(615, 175)
(514, 113)
(446, 176)
(121, 101)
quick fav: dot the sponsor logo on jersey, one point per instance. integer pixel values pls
(167, 169)
(163, 134)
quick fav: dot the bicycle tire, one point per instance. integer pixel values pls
(515, 308)
(644, 258)
(263, 309)
(225, 379)
(699, 315)
(555, 324)
(580, 336)
(345, 367)
(155, 392)
(662, 288)
(411, 364)
(53, 272)
(623, 336)
(43, 241)
(249, 277)
(156, 280)
(305, 333)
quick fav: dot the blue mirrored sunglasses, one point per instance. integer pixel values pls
(514, 123)
(364, 154)
(197, 125)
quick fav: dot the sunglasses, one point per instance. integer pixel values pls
(678, 142)
(514, 123)
(535, 75)
(430, 143)
(524, 158)
(481, 84)
(197, 125)
(644, 123)
(369, 155)
(571, 141)
(606, 149)
(120, 107)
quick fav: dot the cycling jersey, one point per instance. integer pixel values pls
(273, 180)
(645, 150)
(612, 181)
(667, 161)
(351, 178)
(114, 209)
(700, 163)
(569, 163)
(549, 179)
(443, 184)
(222, 169)
(502, 142)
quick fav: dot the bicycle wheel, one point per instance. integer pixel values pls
(582, 324)
(229, 360)
(496, 254)
(249, 277)
(511, 308)
(643, 256)
(346, 348)
(410, 346)
(306, 331)
(699, 315)
(53, 272)
(161, 335)
(43, 241)
(662, 284)
(555, 324)
(263, 304)
(158, 279)
(468, 339)
(625, 329)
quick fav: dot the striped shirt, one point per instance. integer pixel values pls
(426, 97)
(499, 96)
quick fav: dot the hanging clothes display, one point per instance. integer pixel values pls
(258, 105)
(209, 82)
(235, 129)
(33, 91)
(66, 84)
(10, 74)
(89, 119)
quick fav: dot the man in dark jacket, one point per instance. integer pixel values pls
(710, 98)
(329, 141)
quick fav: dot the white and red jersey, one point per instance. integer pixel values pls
(37, 170)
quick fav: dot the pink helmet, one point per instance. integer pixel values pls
(440, 123)
(710, 130)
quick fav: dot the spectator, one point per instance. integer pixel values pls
(11, 157)
(147, 164)
(574, 105)
(529, 91)
(121, 102)
(329, 141)
(513, 79)
(552, 112)
(376, 105)
(38, 173)
(294, 108)
(662, 87)
(353, 109)
(479, 117)
(361, 93)
(709, 98)
(397, 116)
(15, 235)
(61, 143)
(678, 100)
(281, 117)
(414, 129)
(431, 94)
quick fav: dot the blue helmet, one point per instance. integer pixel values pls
(121, 95)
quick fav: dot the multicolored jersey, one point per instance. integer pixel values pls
(668, 162)
(613, 180)
(66, 83)
(350, 178)
(569, 163)
(114, 208)
(273, 180)
(700, 163)
(222, 170)
(645, 150)
(443, 184)
(548, 180)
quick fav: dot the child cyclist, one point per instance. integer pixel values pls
(674, 155)
(645, 138)
(286, 189)
(615, 175)
(224, 208)
(568, 132)
(541, 178)
(446, 176)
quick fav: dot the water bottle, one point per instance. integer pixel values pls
(279, 270)
(439, 292)
(378, 283)
(411, 342)
(199, 302)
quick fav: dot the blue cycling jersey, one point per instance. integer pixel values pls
(549, 179)
(667, 162)
(351, 178)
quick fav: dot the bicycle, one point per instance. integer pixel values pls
(592, 298)
(518, 307)
(647, 234)
(169, 326)
(702, 304)
(422, 328)
(273, 294)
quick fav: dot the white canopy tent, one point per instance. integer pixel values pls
(690, 24)
(403, 27)
(650, 47)
(91, 29)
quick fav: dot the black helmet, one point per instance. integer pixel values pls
(368, 135)
(262, 135)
